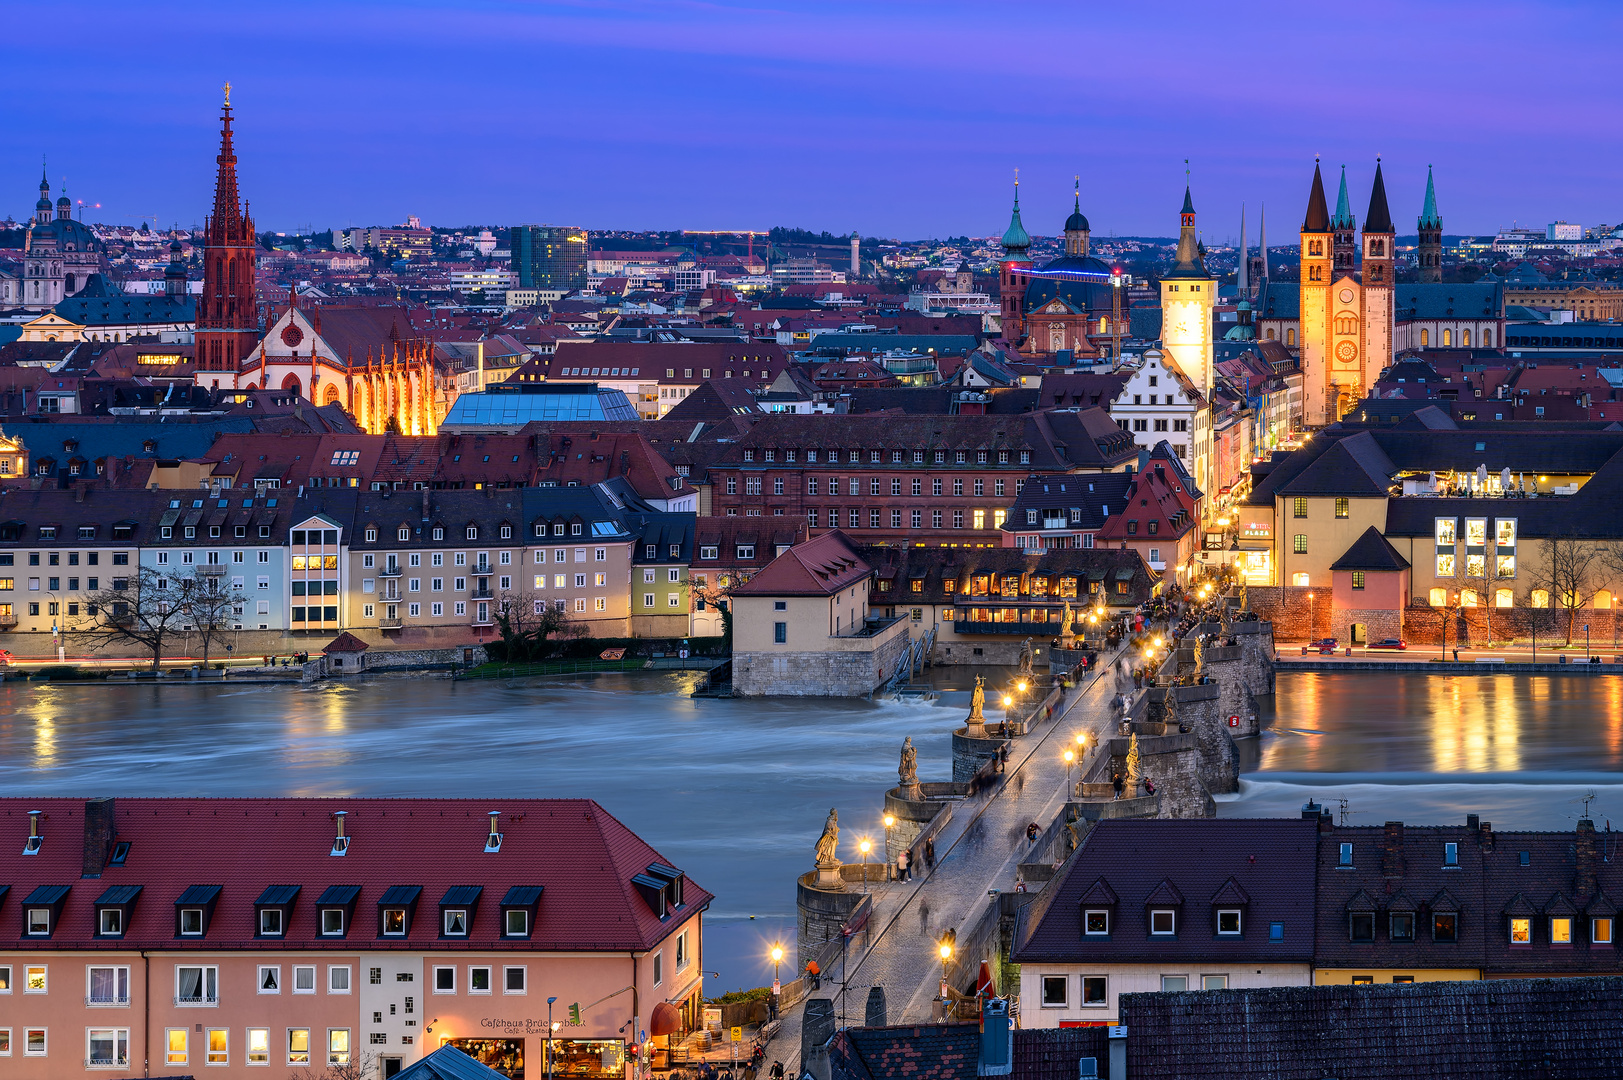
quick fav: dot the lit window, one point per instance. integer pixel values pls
(298, 1046)
(1600, 931)
(258, 1046)
(1561, 930)
(1521, 931)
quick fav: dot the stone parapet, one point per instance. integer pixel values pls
(821, 913)
(847, 667)
(917, 817)
(969, 754)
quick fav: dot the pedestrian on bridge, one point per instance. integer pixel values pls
(924, 918)
(1116, 782)
(904, 865)
(929, 854)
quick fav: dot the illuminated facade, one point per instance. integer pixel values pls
(549, 257)
(1347, 317)
(228, 318)
(1066, 305)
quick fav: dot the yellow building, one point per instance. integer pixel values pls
(1188, 292)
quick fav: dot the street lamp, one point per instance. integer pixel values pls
(1310, 617)
(777, 958)
(944, 950)
(864, 845)
(551, 1028)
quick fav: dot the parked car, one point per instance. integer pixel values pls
(1390, 643)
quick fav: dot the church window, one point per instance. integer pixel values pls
(1487, 339)
(1448, 336)
(1425, 338)
(1290, 337)
(1465, 338)
(1102, 326)
(1270, 333)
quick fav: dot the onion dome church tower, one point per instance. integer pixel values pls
(227, 318)
(1016, 242)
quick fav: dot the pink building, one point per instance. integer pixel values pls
(239, 937)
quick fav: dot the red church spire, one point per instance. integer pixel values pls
(227, 316)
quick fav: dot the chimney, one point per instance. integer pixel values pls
(99, 829)
(340, 844)
(1392, 850)
(493, 842)
(1584, 883)
(1472, 822)
(1487, 836)
(35, 838)
(997, 1039)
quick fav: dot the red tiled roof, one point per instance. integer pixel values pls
(821, 566)
(345, 642)
(580, 855)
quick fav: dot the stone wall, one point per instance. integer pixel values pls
(1469, 627)
(1002, 650)
(399, 659)
(968, 755)
(245, 644)
(1196, 707)
(1257, 641)
(1293, 615)
(916, 818)
(843, 672)
(821, 914)
(1173, 763)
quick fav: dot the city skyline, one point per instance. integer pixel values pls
(692, 116)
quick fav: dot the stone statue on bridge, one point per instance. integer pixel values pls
(1067, 637)
(1200, 655)
(977, 700)
(1027, 658)
(829, 843)
(908, 771)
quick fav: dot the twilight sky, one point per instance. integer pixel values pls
(904, 118)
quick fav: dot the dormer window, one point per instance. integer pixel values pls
(336, 907)
(396, 908)
(519, 910)
(1228, 921)
(1163, 921)
(456, 922)
(1096, 922)
(270, 922)
(39, 922)
(457, 909)
(1346, 856)
(273, 909)
(332, 922)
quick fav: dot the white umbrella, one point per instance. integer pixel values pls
(1504, 479)
(1481, 475)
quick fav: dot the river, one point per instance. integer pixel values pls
(735, 792)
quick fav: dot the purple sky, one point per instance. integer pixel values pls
(895, 118)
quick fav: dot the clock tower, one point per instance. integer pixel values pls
(227, 317)
(1188, 292)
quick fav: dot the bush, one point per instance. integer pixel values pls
(738, 997)
(58, 672)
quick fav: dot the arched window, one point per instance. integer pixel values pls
(1270, 333)
(1425, 338)
(1540, 598)
(1465, 338)
(1448, 338)
(1299, 579)
(1103, 326)
(1290, 337)
(1503, 598)
(1438, 598)
(1487, 339)
(1603, 600)
(1467, 598)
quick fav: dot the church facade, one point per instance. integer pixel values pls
(1067, 305)
(1346, 316)
(365, 359)
(60, 255)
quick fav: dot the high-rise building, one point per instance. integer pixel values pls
(549, 257)
(227, 319)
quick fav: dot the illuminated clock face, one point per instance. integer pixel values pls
(1346, 296)
(292, 335)
(1346, 352)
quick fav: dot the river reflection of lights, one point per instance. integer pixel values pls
(1475, 725)
(44, 739)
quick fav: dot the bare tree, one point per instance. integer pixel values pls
(213, 606)
(1568, 574)
(527, 625)
(146, 608)
(360, 1066)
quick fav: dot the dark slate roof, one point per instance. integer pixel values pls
(940, 344)
(99, 439)
(1554, 1029)
(1355, 465)
(896, 568)
(1279, 300)
(1371, 552)
(1052, 1053)
(1379, 218)
(1144, 323)
(1271, 860)
(912, 1052)
(126, 310)
(1449, 300)
(916, 400)
(1091, 494)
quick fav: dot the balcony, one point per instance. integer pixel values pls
(196, 999)
(482, 594)
(390, 571)
(389, 624)
(482, 570)
(212, 569)
(7, 621)
(110, 998)
(485, 619)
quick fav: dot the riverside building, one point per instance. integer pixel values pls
(223, 936)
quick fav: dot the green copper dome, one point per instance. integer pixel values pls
(1015, 237)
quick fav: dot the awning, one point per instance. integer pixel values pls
(666, 1020)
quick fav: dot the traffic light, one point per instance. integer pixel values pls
(574, 1015)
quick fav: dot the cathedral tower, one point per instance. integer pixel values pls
(1188, 292)
(1011, 284)
(227, 317)
(1431, 236)
(1345, 227)
(1076, 227)
(1379, 238)
(1315, 306)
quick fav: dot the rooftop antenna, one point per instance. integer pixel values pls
(1588, 798)
(1345, 812)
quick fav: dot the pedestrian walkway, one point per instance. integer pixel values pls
(978, 851)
